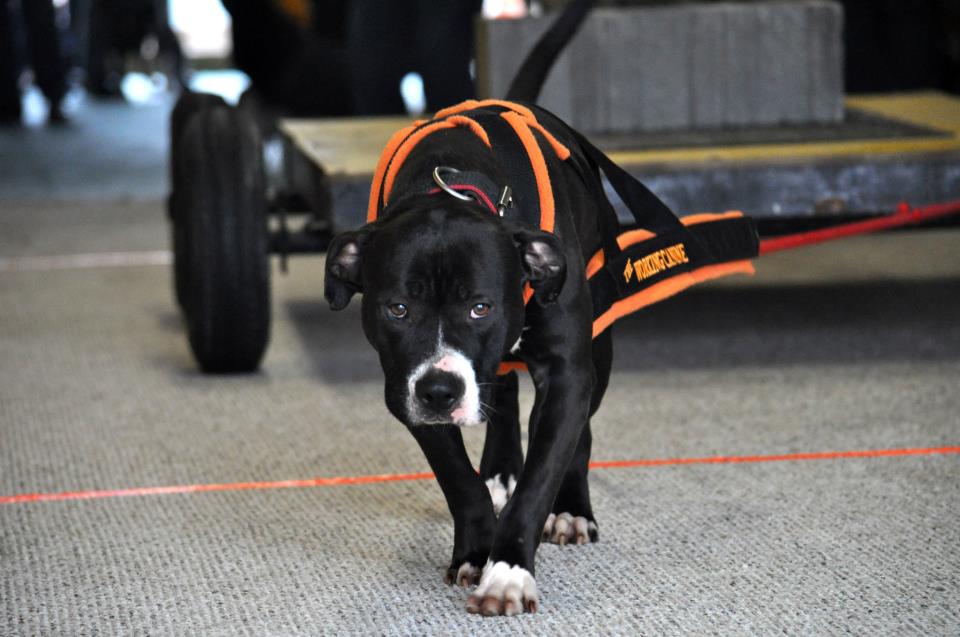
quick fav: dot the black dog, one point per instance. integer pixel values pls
(443, 285)
(490, 237)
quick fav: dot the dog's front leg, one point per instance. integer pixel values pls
(561, 409)
(467, 498)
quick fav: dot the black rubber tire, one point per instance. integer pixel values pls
(222, 210)
(188, 104)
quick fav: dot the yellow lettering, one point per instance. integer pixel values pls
(657, 262)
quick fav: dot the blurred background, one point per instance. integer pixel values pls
(297, 52)
(110, 70)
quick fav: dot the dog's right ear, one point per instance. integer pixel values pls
(343, 276)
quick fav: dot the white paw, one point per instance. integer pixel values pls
(500, 493)
(466, 575)
(504, 590)
(567, 529)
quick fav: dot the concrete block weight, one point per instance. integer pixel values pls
(683, 66)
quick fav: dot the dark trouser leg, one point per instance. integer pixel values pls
(9, 67)
(380, 36)
(43, 44)
(444, 49)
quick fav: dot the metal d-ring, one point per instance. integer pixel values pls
(438, 173)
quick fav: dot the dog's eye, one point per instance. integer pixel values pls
(479, 310)
(397, 310)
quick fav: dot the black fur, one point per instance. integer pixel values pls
(432, 259)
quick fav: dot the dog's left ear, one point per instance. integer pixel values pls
(343, 276)
(544, 263)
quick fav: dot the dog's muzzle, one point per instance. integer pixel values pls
(444, 390)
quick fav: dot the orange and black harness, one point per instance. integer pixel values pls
(659, 257)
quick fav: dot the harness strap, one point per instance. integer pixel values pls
(511, 130)
(648, 267)
(662, 256)
(648, 210)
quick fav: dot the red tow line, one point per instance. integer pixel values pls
(904, 216)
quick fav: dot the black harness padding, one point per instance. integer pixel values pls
(722, 240)
(657, 257)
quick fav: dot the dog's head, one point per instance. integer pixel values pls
(442, 284)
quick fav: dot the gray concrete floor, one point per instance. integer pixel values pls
(848, 346)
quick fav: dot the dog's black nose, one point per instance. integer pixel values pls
(438, 391)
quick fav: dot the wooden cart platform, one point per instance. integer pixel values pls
(890, 148)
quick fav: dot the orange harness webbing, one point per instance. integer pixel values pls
(521, 120)
(639, 267)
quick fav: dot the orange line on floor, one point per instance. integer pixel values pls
(408, 477)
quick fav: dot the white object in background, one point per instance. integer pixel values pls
(202, 26)
(504, 9)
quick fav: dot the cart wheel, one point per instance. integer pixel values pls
(188, 104)
(221, 208)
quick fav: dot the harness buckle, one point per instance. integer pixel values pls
(505, 201)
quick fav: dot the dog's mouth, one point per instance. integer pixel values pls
(458, 415)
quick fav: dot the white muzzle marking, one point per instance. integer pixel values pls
(466, 412)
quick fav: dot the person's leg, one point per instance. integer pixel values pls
(444, 49)
(380, 37)
(45, 55)
(291, 68)
(9, 67)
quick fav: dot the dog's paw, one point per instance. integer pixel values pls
(564, 528)
(501, 491)
(465, 575)
(504, 590)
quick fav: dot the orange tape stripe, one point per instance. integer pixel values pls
(544, 190)
(409, 477)
(667, 288)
